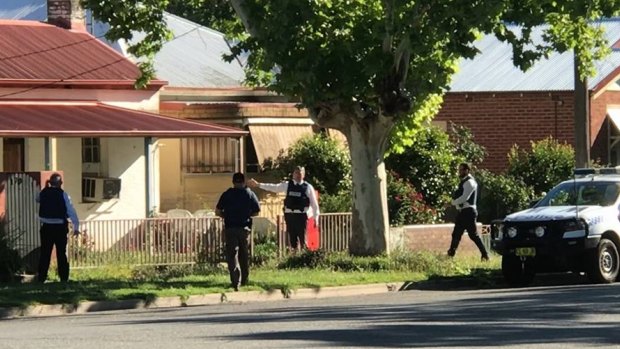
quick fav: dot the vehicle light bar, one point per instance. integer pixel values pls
(601, 171)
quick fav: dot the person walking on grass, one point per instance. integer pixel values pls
(54, 208)
(237, 206)
(464, 199)
(299, 204)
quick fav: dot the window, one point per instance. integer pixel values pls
(209, 155)
(91, 150)
(91, 156)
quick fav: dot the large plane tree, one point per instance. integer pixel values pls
(375, 69)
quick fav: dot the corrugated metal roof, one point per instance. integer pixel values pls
(94, 119)
(493, 70)
(38, 52)
(194, 57)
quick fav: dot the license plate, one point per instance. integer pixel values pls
(525, 251)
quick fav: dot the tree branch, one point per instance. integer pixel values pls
(240, 9)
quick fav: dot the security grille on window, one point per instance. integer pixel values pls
(208, 155)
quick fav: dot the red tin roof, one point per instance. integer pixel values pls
(94, 119)
(39, 53)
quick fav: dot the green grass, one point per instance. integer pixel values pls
(149, 283)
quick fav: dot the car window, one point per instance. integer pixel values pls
(582, 193)
(591, 195)
(563, 197)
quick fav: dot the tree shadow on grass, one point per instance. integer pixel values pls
(72, 293)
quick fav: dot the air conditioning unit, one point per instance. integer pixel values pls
(97, 189)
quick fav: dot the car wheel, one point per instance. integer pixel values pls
(517, 272)
(604, 265)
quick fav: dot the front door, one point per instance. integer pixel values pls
(13, 155)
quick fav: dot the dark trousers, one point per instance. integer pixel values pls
(296, 225)
(466, 220)
(54, 235)
(237, 255)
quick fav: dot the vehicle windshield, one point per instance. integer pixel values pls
(582, 194)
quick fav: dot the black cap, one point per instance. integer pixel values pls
(238, 178)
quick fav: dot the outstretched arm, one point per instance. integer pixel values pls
(274, 188)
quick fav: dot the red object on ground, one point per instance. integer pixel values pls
(312, 231)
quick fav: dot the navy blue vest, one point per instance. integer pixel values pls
(52, 203)
(296, 197)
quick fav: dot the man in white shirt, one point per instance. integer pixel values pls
(299, 204)
(464, 199)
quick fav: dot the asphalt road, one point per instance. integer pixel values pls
(549, 316)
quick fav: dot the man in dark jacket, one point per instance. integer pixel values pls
(237, 206)
(464, 199)
(54, 208)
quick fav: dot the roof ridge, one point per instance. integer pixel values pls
(25, 22)
(197, 25)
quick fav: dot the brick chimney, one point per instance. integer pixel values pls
(66, 14)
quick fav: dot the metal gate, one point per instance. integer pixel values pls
(21, 214)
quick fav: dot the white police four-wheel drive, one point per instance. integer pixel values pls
(575, 227)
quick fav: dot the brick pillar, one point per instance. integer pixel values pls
(66, 14)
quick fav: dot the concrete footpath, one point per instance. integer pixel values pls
(197, 300)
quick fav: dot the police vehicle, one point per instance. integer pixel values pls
(575, 227)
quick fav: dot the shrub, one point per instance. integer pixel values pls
(306, 259)
(501, 195)
(464, 145)
(341, 202)
(345, 262)
(406, 205)
(429, 164)
(544, 166)
(10, 261)
(328, 165)
(265, 249)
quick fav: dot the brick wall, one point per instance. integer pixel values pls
(219, 111)
(436, 238)
(65, 14)
(599, 123)
(499, 120)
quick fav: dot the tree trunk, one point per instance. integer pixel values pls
(367, 143)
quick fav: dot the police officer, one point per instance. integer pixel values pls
(237, 206)
(54, 209)
(464, 198)
(299, 204)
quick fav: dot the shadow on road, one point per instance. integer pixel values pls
(490, 279)
(549, 312)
